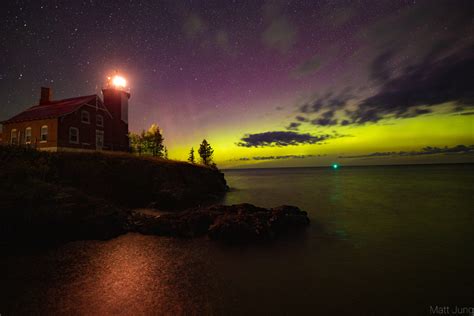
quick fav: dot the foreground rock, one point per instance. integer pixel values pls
(234, 223)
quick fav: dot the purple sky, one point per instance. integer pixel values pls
(209, 68)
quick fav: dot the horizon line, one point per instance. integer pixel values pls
(344, 166)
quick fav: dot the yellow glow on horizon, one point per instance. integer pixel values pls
(410, 134)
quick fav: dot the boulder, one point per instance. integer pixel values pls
(231, 223)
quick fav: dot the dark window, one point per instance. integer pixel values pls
(99, 119)
(85, 117)
(74, 135)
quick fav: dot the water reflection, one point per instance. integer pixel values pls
(132, 274)
(382, 241)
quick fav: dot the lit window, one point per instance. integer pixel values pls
(44, 133)
(85, 118)
(99, 119)
(14, 137)
(28, 135)
(74, 135)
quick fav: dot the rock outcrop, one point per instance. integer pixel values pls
(234, 223)
(56, 197)
(123, 179)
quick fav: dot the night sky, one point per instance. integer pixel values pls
(276, 83)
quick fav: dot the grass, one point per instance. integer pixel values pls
(129, 180)
(43, 193)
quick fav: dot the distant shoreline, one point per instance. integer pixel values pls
(349, 166)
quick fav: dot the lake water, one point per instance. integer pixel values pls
(383, 241)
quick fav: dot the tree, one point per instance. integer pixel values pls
(205, 152)
(136, 145)
(154, 140)
(191, 156)
(165, 155)
(148, 142)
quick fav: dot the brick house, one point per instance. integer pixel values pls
(75, 124)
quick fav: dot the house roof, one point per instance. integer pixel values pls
(52, 109)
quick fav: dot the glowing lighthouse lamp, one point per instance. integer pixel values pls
(117, 82)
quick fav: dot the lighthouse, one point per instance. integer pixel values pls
(116, 96)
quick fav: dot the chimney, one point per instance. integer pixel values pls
(45, 95)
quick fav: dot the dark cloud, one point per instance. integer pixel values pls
(293, 126)
(345, 122)
(300, 118)
(380, 69)
(330, 102)
(459, 149)
(279, 139)
(435, 80)
(419, 56)
(308, 67)
(278, 157)
(326, 119)
(422, 111)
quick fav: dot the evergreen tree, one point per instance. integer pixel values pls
(191, 156)
(155, 140)
(205, 152)
(165, 153)
(148, 142)
(136, 144)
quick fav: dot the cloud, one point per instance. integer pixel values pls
(329, 100)
(326, 119)
(459, 149)
(194, 26)
(222, 40)
(345, 122)
(308, 67)
(300, 118)
(280, 139)
(441, 76)
(279, 33)
(401, 68)
(293, 126)
(278, 157)
(380, 69)
(434, 80)
(198, 30)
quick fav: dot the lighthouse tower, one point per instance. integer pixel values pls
(116, 96)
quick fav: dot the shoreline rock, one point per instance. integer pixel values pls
(59, 197)
(238, 223)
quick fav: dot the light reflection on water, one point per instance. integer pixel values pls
(386, 240)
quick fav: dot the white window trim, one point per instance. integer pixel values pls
(41, 134)
(88, 117)
(77, 130)
(101, 119)
(28, 129)
(11, 136)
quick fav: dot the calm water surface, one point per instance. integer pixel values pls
(383, 241)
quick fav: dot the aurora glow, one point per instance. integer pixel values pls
(268, 84)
